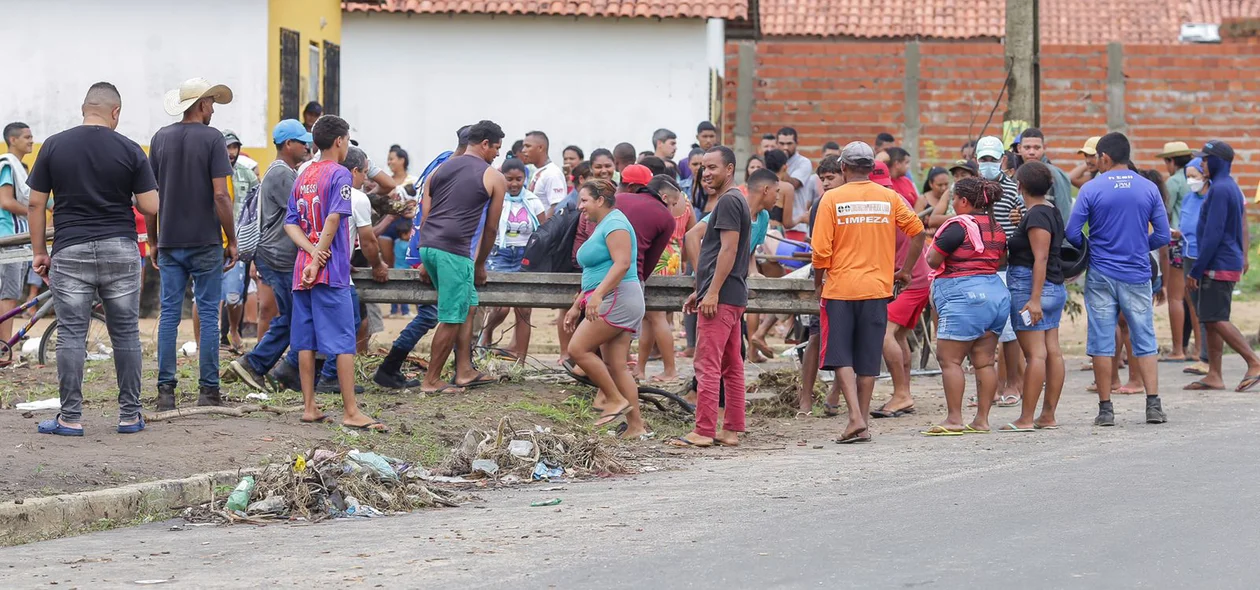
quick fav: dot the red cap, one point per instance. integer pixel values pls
(880, 175)
(636, 174)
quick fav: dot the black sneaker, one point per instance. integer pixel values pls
(1106, 415)
(209, 396)
(283, 377)
(166, 398)
(245, 371)
(1155, 410)
(393, 379)
(332, 386)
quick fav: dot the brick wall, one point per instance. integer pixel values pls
(844, 90)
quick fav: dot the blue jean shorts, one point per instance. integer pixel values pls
(970, 306)
(1053, 298)
(234, 284)
(323, 320)
(1105, 300)
(506, 259)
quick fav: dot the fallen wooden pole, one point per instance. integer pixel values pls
(557, 290)
(235, 411)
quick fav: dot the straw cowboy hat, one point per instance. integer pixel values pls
(192, 90)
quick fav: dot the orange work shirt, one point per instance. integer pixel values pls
(855, 240)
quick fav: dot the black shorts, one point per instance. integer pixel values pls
(853, 335)
(1215, 298)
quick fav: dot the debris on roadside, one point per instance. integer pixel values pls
(785, 385)
(535, 454)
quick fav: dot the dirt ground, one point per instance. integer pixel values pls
(424, 428)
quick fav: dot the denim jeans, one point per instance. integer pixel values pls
(108, 269)
(1105, 300)
(425, 320)
(273, 343)
(204, 266)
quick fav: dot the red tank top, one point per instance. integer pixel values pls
(965, 261)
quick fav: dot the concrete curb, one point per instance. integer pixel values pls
(37, 519)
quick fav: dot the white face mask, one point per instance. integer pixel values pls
(991, 170)
(1196, 184)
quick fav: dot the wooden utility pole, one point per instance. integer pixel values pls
(1023, 46)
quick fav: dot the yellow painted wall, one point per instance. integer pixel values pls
(314, 20)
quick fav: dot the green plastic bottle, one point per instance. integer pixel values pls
(239, 499)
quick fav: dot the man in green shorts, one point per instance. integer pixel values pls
(456, 199)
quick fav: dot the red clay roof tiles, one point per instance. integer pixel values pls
(727, 9)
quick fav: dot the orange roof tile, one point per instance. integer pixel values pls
(1063, 22)
(727, 9)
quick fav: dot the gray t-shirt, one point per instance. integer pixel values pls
(730, 214)
(186, 158)
(275, 248)
(801, 169)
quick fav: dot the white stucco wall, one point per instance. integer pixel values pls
(414, 80)
(144, 47)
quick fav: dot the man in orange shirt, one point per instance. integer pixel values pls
(854, 244)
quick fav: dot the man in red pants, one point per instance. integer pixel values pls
(720, 298)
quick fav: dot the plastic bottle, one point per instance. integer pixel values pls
(239, 499)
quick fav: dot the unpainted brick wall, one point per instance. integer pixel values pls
(848, 90)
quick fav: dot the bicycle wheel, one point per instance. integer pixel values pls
(98, 344)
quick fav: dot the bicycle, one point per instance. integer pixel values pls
(98, 342)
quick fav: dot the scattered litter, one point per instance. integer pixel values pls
(544, 471)
(188, 349)
(552, 489)
(150, 582)
(30, 347)
(521, 448)
(268, 505)
(299, 464)
(262, 397)
(52, 403)
(376, 463)
(239, 498)
(551, 502)
(485, 466)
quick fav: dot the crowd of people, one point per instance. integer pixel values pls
(983, 248)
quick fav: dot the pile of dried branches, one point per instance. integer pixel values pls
(579, 455)
(785, 385)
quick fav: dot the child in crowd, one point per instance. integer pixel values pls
(323, 314)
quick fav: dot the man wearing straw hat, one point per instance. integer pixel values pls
(194, 234)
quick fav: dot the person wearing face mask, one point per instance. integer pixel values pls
(1221, 262)
(990, 153)
(1188, 232)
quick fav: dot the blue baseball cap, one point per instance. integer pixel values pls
(290, 129)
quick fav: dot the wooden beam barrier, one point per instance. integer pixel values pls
(17, 247)
(556, 291)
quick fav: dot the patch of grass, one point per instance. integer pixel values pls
(572, 411)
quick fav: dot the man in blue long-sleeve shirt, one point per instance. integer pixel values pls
(1122, 208)
(1223, 243)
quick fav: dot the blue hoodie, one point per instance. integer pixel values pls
(1221, 246)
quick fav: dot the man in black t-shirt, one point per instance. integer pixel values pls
(194, 237)
(720, 298)
(95, 172)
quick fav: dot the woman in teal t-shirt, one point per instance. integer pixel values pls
(613, 302)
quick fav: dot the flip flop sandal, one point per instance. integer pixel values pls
(969, 430)
(1194, 370)
(884, 413)
(607, 419)
(505, 354)
(683, 443)
(1201, 386)
(1013, 428)
(858, 436)
(369, 427)
(939, 430)
(1247, 383)
(318, 420)
(1040, 427)
(481, 381)
(1128, 391)
(720, 443)
(804, 414)
(1007, 401)
(830, 411)
(446, 387)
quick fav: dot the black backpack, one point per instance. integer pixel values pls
(550, 247)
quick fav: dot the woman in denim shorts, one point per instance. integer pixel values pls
(1035, 278)
(971, 300)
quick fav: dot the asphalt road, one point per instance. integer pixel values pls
(1135, 506)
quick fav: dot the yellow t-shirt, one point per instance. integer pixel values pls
(855, 240)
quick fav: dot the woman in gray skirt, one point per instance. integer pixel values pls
(612, 300)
